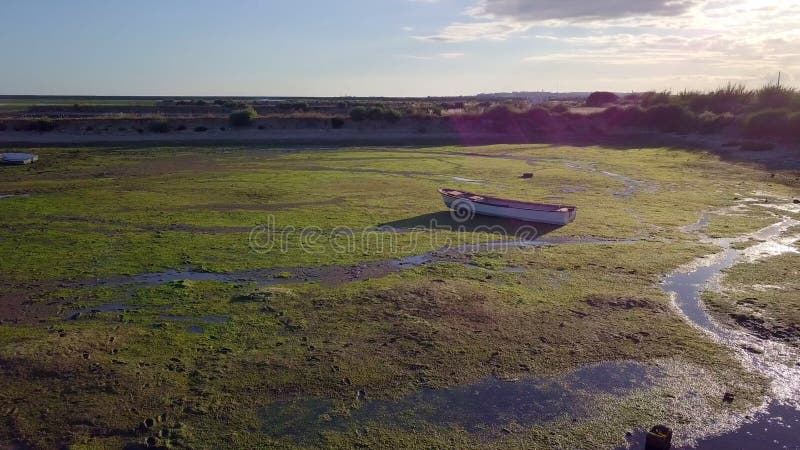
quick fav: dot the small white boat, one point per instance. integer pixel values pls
(18, 158)
(465, 205)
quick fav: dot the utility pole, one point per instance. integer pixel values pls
(779, 79)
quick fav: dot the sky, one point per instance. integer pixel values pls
(392, 47)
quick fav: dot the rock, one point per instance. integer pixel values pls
(728, 397)
(151, 441)
(796, 201)
(149, 422)
(659, 438)
(527, 176)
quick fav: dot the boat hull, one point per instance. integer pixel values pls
(18, 159)
(527, 215)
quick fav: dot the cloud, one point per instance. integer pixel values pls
(446, 55)
(692, 43)
(498, 20)
(502, 19)
(465, 32)
(541, 10)
(706, 60)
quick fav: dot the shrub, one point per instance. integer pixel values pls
(650, 99)
(161, 126)
(773, 122)
(200, 129)
(242, 118)
(391, 115)
(668, 118)
(375, 113)
(359, 113)
(732, 98)
(3, 126)
(598, 99)
(293, 106)
(774, 96)
(337, 123)
(623, 117)
(632, 116)
(500, 118)
(794, 126)
(539, 115)
(559, 108)
(757, 146)
(181, 127)
(499, 114)
(41, 126)
(709, 122)
(633, 97)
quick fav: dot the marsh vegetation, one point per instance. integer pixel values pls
(136, 311)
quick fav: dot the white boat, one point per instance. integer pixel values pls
(466, 204)
(18, 158)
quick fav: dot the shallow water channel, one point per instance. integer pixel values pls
(778, 425)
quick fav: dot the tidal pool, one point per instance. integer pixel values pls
(488, 406)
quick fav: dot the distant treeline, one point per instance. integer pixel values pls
(769, 113)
